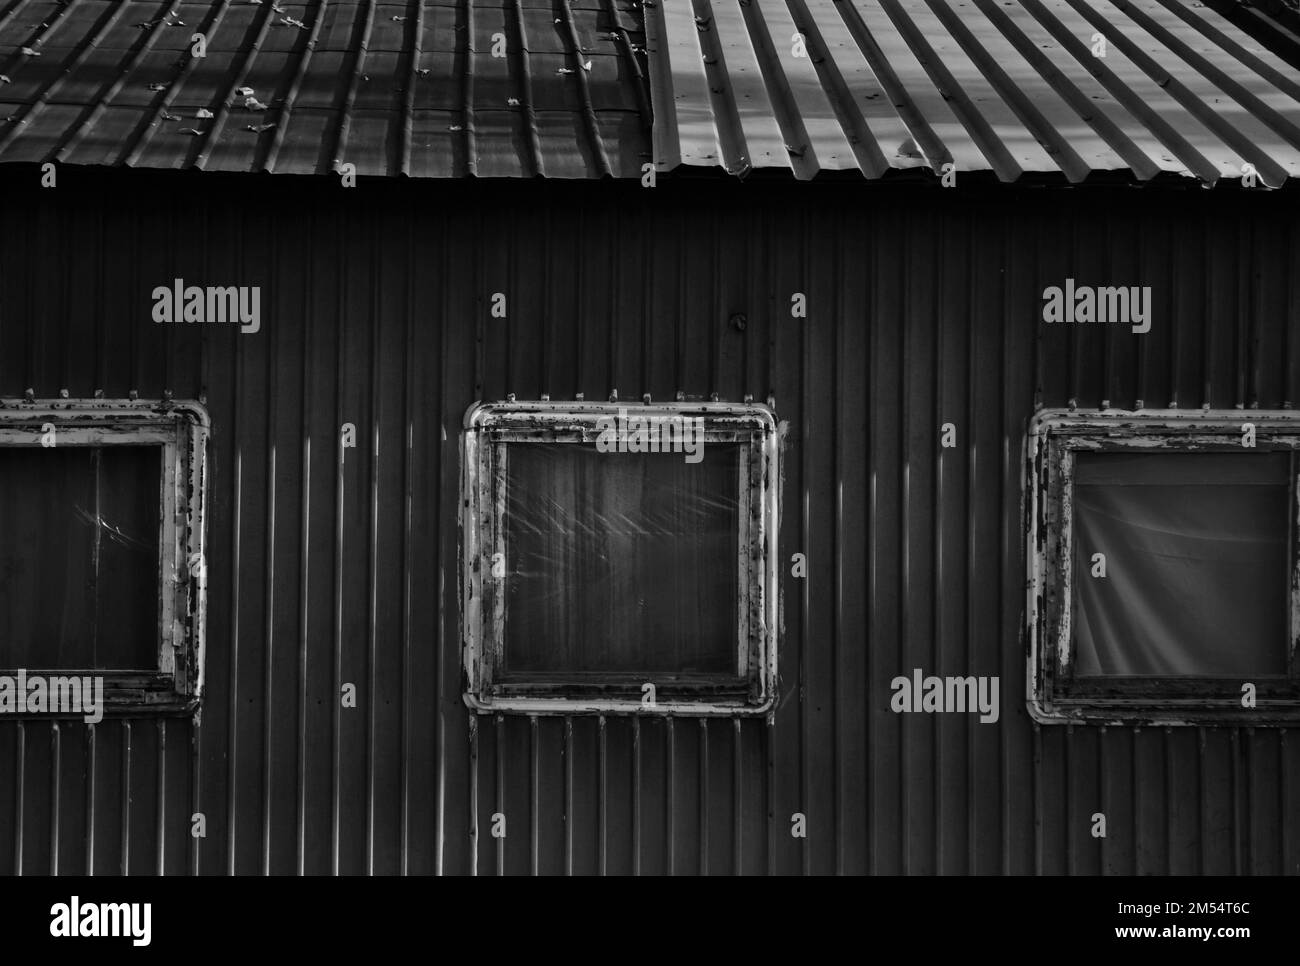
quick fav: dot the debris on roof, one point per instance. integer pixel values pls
(416, 88)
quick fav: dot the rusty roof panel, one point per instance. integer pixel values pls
(1065, 87)
(393, 87)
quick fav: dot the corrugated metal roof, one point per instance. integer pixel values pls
(394, 88)
(1012, 88)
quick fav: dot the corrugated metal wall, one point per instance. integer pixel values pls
(923, 308)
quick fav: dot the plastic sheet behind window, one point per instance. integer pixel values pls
(79, 550)
(621, 562)
(1196, 558)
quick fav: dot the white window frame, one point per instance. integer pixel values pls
(1054, 437)
(489, 430)
(180, 431)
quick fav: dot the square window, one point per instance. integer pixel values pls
(620, 559)
(1162, 567)
(101, 548)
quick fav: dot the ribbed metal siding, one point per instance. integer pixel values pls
(923, 309)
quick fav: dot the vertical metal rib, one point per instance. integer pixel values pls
(805, 536)
(372, 554)
(568, 794)
(268, 663)
(704, 796)
(498, 743)
(1250, 310)
(904, 570)
(1037, 779)
(90, 800)
(1238, 833)
(614, 264)
(336, 724)
(304, 615)
(1202, 795)
(125, 787)
(232, 731)
(1071, 852)
(408, 544)
(636, 794)
(1170, 783)
(1103, 783)
(160, 818)
(20, 761)
(473, 794)
(769, 789)
(1248, 769)
(1207, 328)
(1140, 354)
(670, 796)
(602, 798)
(196, 760)
(56, 762)
(973, 567)
(737, 793)
(1008, 495)
(1177, 309)
(840, 323)
(873, 615)
(534, 781)
(1284, 804)
(441, 681)
(936, 550)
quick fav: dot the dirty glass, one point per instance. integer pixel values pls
(79, 551)
(1196, 558)
(621, 562)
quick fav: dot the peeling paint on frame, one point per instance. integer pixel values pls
(1054, 437)
(180, 429)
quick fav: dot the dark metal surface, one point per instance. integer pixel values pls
(1012, 88)
(403, 87)
(923, 308)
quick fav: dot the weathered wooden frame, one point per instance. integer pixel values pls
(180, 431)
(489, 429)
(1054, 436)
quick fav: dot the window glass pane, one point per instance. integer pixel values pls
(1196, 558)
(79, 549)
(621, 562)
